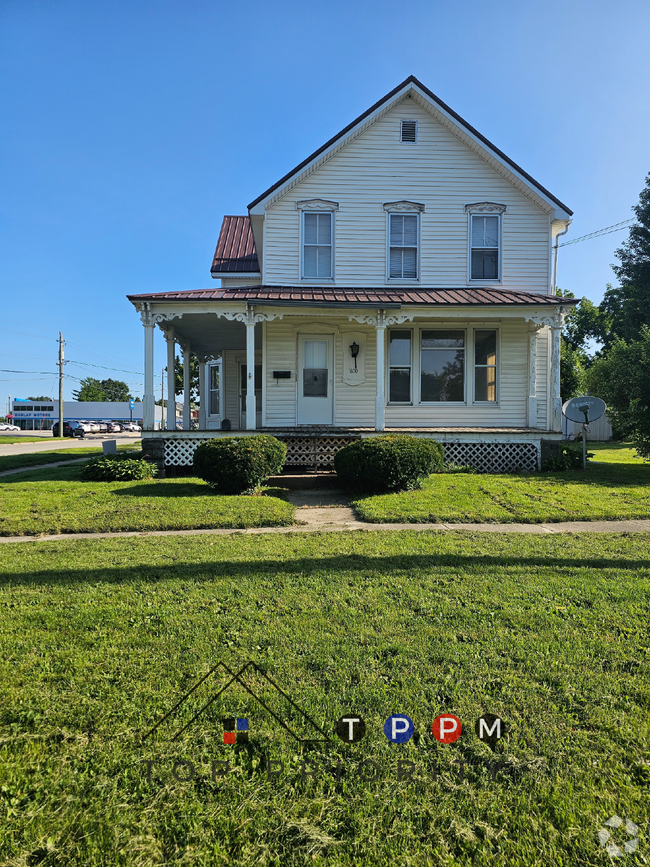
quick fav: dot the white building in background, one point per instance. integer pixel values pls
(41, 415)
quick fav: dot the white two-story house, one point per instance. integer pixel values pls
(398, 279)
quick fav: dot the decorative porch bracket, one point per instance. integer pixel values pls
(380, 323)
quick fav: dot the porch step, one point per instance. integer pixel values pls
(304, 481)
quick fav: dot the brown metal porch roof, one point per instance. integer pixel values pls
(367, 296)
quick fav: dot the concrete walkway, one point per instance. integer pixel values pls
(51, 443)
(336, 519)
(45, 466)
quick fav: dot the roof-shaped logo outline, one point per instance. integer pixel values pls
(236, 677)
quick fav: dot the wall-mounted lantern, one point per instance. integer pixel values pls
(354, 352)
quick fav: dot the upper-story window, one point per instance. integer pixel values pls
(403, 240)
(317, 258)
(485, 240)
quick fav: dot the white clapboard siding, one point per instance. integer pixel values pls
(438, 171)
(354, 406)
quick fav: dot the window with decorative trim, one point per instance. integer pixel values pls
(403, 254)
(399, 365)
(317, 245)
(442, 366)
(485, 240)
(485, 366)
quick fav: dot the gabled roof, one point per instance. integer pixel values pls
(235, 253)
(410, 83)
(366, 296)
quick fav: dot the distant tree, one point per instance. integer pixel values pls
(40, 397)
(584, 322)
(194, 378)
(622, 379)
(628, 305)
(101, 390)
(115, 389)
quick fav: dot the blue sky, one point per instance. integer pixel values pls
(129, 127)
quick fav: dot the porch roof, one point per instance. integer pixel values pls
(335, 295)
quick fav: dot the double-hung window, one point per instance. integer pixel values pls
(485, 366)
(442, 366)
(317, 245)
(403, 232)
(485, 240)
(214, 403)
(399, 365)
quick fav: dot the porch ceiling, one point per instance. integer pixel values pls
(208, 334)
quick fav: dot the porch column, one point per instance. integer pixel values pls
(556, 400)
(380, 402)
(187, 361)
(148, 399)
(251, 409)
(202, 393)
(171, 379)
(532, 376)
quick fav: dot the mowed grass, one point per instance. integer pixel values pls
(100, 639)
(616, 489)
(57, 501)
(35, 459)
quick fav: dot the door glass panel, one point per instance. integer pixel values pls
(315, 372)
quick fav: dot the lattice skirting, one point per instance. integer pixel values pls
(314, 451)
(318, 452)
(301, 451)
(494, 457)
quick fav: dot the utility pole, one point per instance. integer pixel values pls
(162, 401)
(60, 366)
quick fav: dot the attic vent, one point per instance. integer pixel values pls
(409, 130)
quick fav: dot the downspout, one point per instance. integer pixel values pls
(555, 252)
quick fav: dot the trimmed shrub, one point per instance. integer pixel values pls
(388, 463)
(232, 465)
(569, 457)
(117, 468)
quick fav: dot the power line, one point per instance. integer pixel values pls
(615, 228)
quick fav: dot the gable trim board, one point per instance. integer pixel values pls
(454, 122)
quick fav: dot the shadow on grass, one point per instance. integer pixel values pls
(305, 566)
(166, 488)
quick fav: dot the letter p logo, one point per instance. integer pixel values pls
(447, 728)
(398, 728)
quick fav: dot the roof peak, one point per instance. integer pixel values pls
(412, 81)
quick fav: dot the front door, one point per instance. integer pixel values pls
(315, 379)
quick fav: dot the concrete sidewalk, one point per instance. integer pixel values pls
(337, 519)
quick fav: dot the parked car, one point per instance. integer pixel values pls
(70, 429)
(4, 426)
(114, 427)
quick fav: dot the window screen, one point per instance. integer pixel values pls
(403, 245)
(317, 245)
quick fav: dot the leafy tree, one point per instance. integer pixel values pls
(628, 305)
(584, 322)
(115, 389)
(40, 397)
(100, 390)
(194, 379)
(572, 370)
(622, 379)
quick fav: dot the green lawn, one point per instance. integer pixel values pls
(617, 489)
(615, 453)
(99, 639)
(14, 462)
(57, 501)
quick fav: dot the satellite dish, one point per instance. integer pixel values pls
(584, 409)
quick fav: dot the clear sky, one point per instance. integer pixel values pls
(128, 128)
